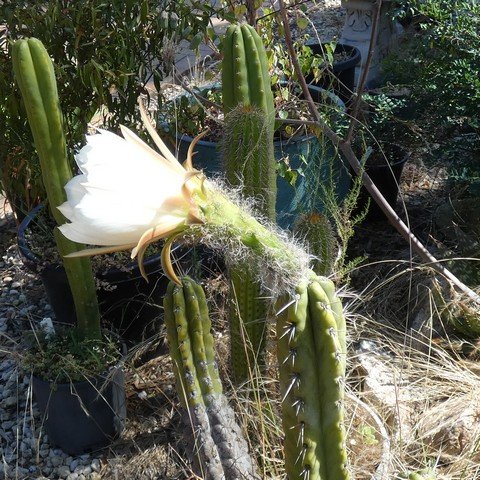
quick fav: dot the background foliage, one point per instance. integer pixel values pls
(104, 55)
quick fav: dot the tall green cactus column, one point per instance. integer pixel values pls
(250, 163)
(223, 450)
(36, 79)
(317, 231)
(311, 356)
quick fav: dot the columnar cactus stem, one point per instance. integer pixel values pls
(223, 451)
(317, 230)
(249, 162)
(312, 370)
(36, 78)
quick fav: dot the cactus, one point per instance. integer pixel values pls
(249, 162)
(36, 79)
(223, 451)
(311, 355)
(317, 230)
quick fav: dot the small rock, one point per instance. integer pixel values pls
(22, 472)
(13, 291)
(8, 425)
(44, 452)
(16, 284)
(47, 470)
(56, 461)
(96, 467)
(72, 476)
(74, 464)
(63, 471)
(9, 402)
(95, 476)
(7, 279)
(22, 298)
(83, 470)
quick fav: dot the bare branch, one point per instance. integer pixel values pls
(363, 77)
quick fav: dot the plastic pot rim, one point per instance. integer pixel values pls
(404, 154)
(105, 377)
(277, 143)
(31, 257)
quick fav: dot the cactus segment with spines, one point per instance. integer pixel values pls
(312, 370)
(317, 230)
(35, 77)
(250, 163)
(223, 450)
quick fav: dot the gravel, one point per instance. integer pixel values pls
(25, 452)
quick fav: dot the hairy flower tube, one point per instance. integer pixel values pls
(128, 196)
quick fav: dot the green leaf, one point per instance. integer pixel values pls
(196, 41)
(302, 23)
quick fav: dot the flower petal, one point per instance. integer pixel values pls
(156, 233)
(90, 252)
(167, 261)
(131, 138)
(153, 133)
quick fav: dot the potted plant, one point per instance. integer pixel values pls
(336, 69)
(305, 163)
(95, 406)
(128, 303)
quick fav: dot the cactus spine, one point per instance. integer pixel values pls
(223, 451)
(249, 162)
(311, 354)
(36, 79)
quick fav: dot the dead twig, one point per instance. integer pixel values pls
(363, 77)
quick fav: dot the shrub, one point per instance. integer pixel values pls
(104, 55)
(442, 60)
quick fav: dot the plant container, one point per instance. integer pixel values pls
(127, 302)
(386, 176)
(341, 78)
(317, 162)
(81, 417)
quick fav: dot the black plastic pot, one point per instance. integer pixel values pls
(386, 177)
(81, 417)
(342, 77)
(127, 302)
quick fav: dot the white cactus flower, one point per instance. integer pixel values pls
(128, 195)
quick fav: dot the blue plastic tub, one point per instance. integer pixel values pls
(318, 163)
